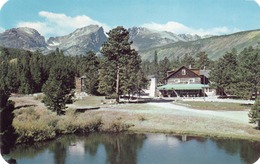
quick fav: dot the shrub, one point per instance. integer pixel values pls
(254, 114)
(89, 125)
(117, 126)
(141, 118)
(34, 125)
(112, 96)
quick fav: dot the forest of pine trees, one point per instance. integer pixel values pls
(117, 71)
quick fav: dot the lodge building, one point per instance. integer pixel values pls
(186, 82)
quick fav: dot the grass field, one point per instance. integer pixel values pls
(33, 122)
(215, 105)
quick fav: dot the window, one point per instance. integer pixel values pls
(177, 80)
(191, 81)
(183, 72)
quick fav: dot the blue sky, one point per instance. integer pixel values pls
(60, 17)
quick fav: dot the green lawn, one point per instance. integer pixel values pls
(215, 105)
(90, 101)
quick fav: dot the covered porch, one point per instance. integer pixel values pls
(182, 90)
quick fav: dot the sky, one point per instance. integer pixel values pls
(202, 17)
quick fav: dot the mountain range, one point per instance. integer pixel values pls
(144, 40)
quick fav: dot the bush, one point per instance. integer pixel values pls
(141, 118)
(32, 125)
(112, 96)
(116, 126)
(89, 125)
(36, 125)
(254, 114)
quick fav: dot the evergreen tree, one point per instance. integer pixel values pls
(11, 77)
(129, 74)
(147, 67)
(164, 67)
(188, 61)
(118, 58)
(176, 63)
(224, 72)
(248, 75)
(55, 93)
(6, 111)
(91, 66)
(25, 76)
(254, 114)
(202, 60)
(36, 72)
(141, 81)
(155, 65)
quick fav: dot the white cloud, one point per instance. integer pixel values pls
(2, 2)
(258, 2)
(178, 28)
(1, 29)
(57, 24)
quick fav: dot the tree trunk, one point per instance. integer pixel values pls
(117, 84)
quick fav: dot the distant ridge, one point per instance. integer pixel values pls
(215, 46)
(146, 41)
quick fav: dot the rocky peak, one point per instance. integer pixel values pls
(144, 38)
(80, 41)
(22, 38)
(190, 37)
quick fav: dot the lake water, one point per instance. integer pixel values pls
(99, 148)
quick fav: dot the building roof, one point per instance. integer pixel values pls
(196, 71)
(182, 87)
(174, 72)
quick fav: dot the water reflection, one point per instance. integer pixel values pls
(246, 150)
(136, 148)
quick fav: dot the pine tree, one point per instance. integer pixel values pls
(91, 66)
(141, 81)
(164, 67)
(25, 76)
(155, 65)
(248, 74)
(188, 61)
(54, 93)
(118, 58)
(36, 72)
(202, 60)
(224, 72)
(6, 108)
(254, 114)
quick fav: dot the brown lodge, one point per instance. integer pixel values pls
(186, 82)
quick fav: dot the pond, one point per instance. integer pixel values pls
(99, 148)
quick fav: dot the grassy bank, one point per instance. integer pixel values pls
(36, 123)
(32, 124)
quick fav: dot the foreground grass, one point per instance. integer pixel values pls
(214, 105)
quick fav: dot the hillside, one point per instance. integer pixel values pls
(215, 46)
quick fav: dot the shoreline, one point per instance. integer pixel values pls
(161, 117)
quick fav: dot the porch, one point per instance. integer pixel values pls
(182, 90)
